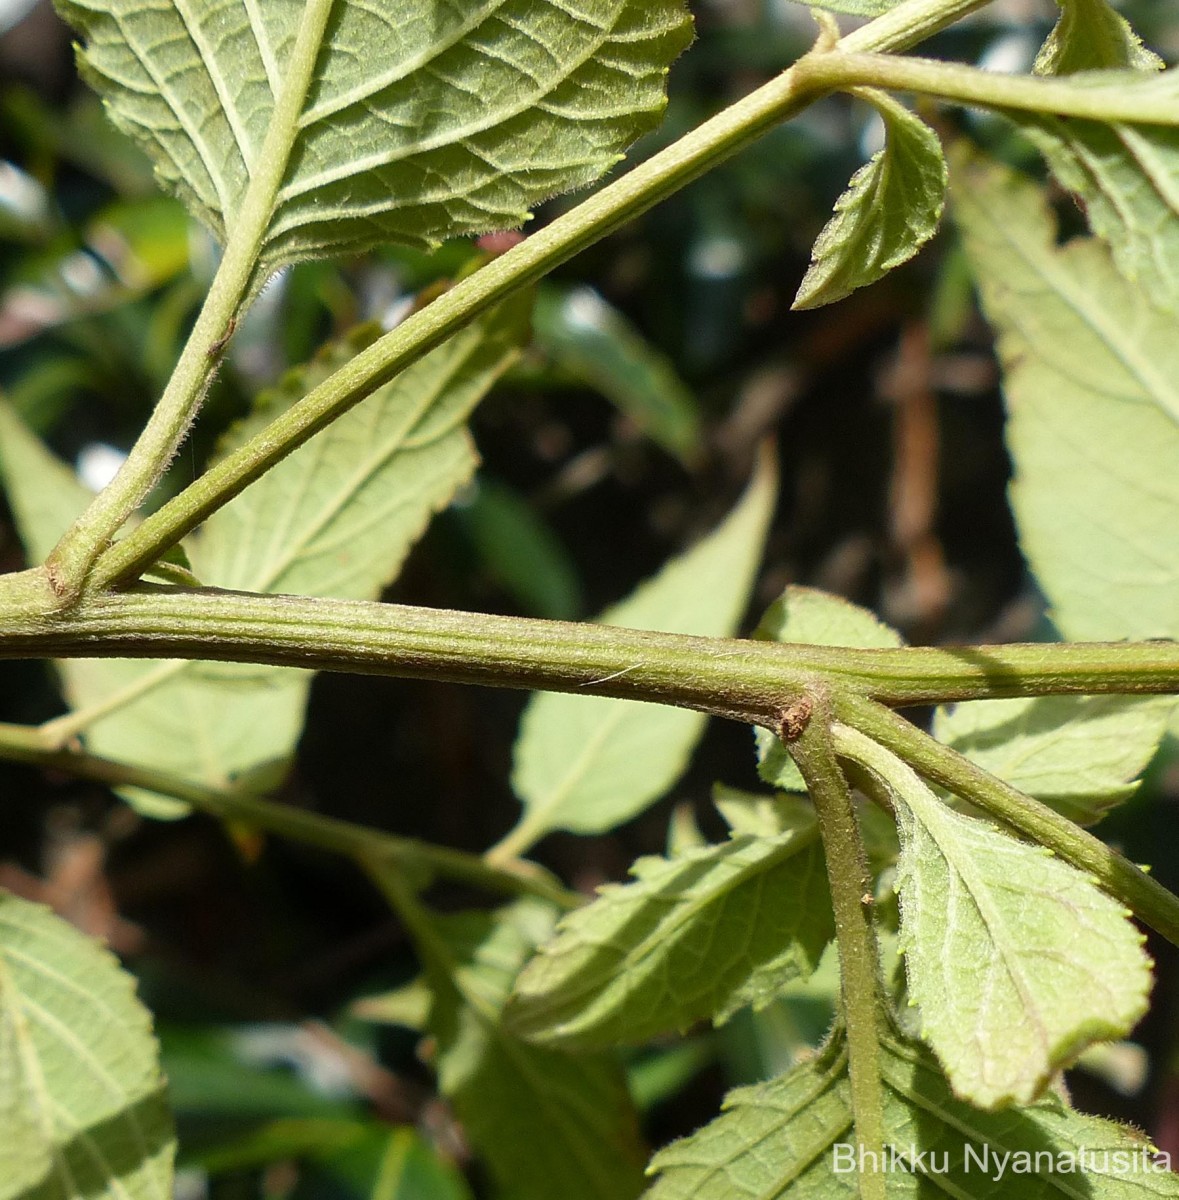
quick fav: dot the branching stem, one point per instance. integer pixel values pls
(70, 564)
(1146, 898)
(602, 213)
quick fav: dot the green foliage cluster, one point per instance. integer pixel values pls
(188, 635)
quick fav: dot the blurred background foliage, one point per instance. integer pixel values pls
(660, 359)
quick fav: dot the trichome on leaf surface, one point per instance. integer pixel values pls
(919, 921)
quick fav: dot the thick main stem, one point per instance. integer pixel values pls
(642, 188)
(747, 680)
(847, 871)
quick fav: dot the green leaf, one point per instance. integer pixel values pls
(1080, 754)
(595, 344)
(750, 814)
(587, 763)
(405, 122)
(890, 210)
(1015, 960)
(696, 936)
(335, 518)
(791, 1139)
(1091, 375)
(407, 1005)
(812, 618)
(1123, 174)
(82, 1100)
(1090, 36)
(338, 516)
(548, 1123)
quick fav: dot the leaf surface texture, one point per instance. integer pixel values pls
(81, 1094)
(695, 936)
(418, 120)
(1015, 959)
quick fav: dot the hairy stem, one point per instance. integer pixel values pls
(1145, 104)
(605, 211)
(1147, 899)
(85, 541)
(746, 680)
(847, 870)
(22, 744)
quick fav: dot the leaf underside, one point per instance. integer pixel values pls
(82, 1101)
(1082, 755)
(1091, 375)
(783, 1140)
(891, 208)
(424, 119)
(696, 936)
(1015, 960)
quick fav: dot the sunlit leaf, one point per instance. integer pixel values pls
(1015, 959)
(890, 210)
(82, 1100)
(414, 122)
(791, 1139)
(696, 936)
(586, 763)
(1091, 377)
(1081, 754)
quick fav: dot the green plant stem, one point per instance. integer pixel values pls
(939, 764)
(859, 968)
(605, 211)
(746, 680)
(20, 743)
(1143, 102)
(85, 541)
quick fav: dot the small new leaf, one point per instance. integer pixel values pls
(890, 210)
(585, 763)
(696, 936)
(1090, 36)
(411, 121)
(791, 1139)
(1015, 960)
(82, 1101)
